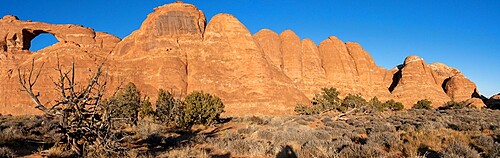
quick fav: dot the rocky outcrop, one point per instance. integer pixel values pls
(454, 83)
(176, 50)
(494, 102)
(415, 80)
(460, 88)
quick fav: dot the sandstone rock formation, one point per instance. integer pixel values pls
(352, 70)
(234, 68)
(313, 74)
(414, 81)
(175, 49)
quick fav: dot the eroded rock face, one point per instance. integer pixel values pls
(176, 50)
(313, 75)
(338, 65)
(415, 81)
(160, 48)
(270, 42)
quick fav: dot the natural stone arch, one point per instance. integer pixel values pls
(30, 35)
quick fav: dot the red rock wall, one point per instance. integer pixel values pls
(175, 49)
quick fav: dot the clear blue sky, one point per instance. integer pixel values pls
(463, 34)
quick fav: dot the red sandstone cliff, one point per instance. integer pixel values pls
(175, 49)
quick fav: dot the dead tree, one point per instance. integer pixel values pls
(83, 118)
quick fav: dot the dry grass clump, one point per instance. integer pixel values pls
(459, 149)
(186, 152)
(7, 153)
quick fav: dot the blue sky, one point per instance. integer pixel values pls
(459, 33)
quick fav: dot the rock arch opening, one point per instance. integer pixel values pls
(37, 40)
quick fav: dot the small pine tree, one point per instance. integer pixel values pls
(146, 109)
(327, 100)
(423, 104)
(165, 106)
(125, 105)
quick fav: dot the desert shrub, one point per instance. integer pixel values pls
(352, 101)
(317, 148)
(266, 134)
(146, 108)
(494, 151)
(360, 151)
(260, 120)
(57, 151)
(247, 130)
(7, 153)
(125, 105)
(458, 149)
(302, 109)
(249, 147)
(388, 140)
(455, 105)
(483, 143)
(393, 105)
(423, 104)
(202, 108)
(186, 152)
